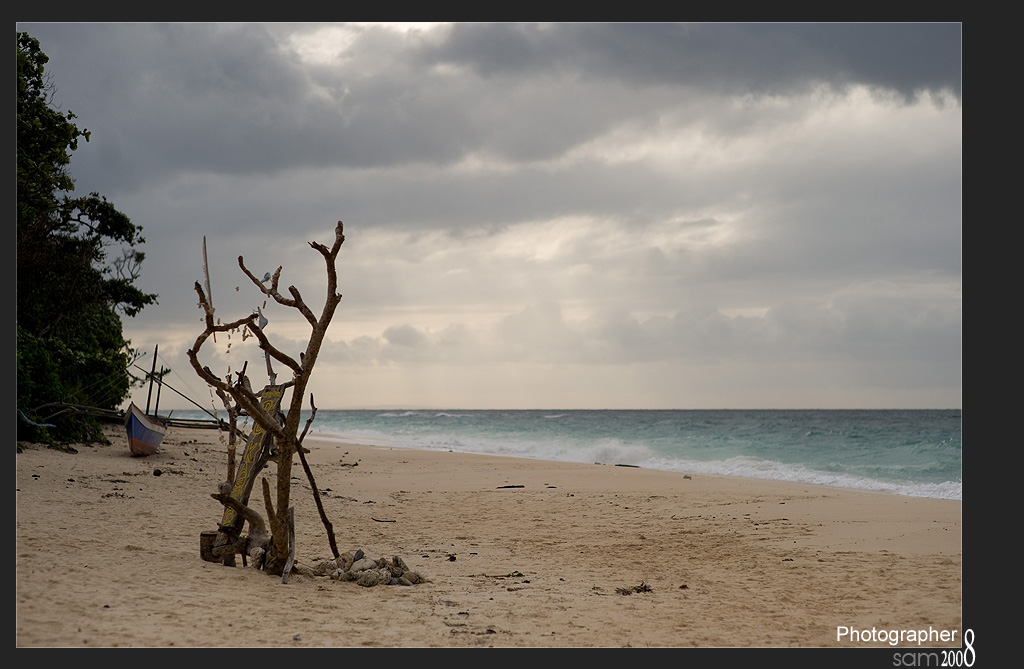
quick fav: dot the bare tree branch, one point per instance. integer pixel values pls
(312, 483)
(265, 344)
(284, 433)
(287, 569)
(268, 503)
(272, 291)
(232, 432)
(242, 394)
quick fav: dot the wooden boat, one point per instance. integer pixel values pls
(144, 433)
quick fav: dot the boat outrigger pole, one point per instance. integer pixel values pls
(170, 387)
(152, 374)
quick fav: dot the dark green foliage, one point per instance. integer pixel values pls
(70, 295)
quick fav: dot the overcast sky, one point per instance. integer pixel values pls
(544, 216)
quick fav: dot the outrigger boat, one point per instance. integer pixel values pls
(144, 433)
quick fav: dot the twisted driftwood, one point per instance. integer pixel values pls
(284, 434)
(257, 543)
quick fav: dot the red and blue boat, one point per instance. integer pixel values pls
(144, 433)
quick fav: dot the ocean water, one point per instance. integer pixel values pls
(915, 453)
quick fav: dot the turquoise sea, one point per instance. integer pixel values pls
(915, 453)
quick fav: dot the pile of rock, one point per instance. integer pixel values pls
(368, 572)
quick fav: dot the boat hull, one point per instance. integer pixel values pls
(144, 434)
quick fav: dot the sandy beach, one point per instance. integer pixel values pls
(519, 553)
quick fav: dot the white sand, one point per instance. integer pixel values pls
(108, 555)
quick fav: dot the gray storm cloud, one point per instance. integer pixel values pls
(743, 214)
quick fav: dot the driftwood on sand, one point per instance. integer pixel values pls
(270, 542)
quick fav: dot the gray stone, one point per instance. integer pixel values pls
(363, 565)
(415, 577)
(368, 578)
(397, 566)
(367, 572)
(345, 561)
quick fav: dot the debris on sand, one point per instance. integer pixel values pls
(643, 587)
(367, 572)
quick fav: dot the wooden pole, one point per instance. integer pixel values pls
(149, 396)
(209, 290)
(159, 387)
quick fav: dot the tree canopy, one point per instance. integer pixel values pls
(77, 263)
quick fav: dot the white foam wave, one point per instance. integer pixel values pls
(757, 468)
(571, 448)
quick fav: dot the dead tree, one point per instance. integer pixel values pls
(280, 549)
